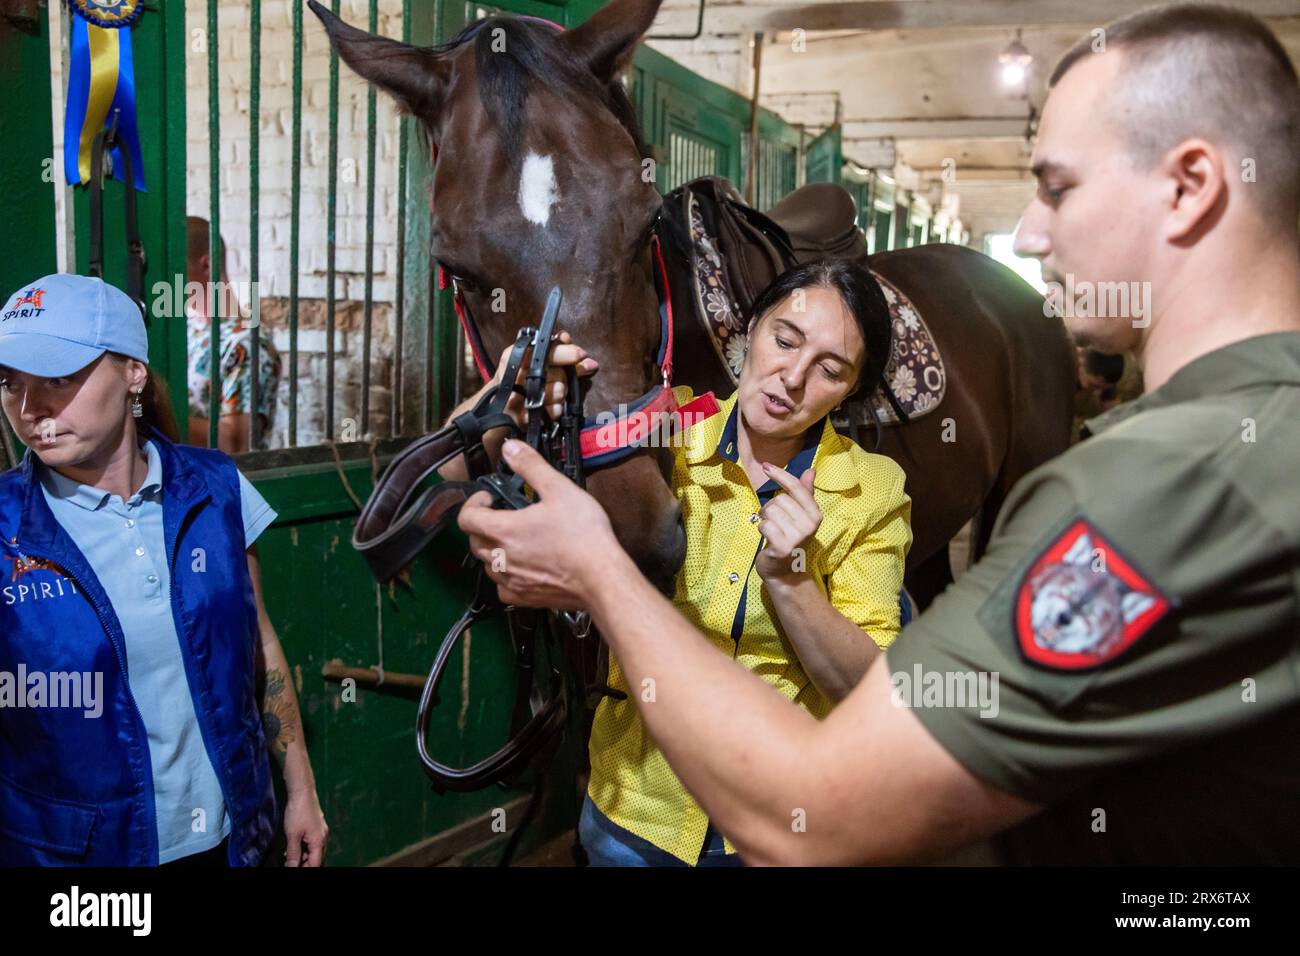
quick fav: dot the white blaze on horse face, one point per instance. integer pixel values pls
(538, 190)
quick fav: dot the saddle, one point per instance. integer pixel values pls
(821, 220)
(815, 221)
(747, 246)
(735, 251)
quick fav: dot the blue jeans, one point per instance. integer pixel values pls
(608, 844)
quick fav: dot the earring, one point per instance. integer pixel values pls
(137, 410)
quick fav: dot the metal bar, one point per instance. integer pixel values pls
(10, 443)
(399, 305)
(254, 140)
(753, 111)
(431, 329)
(454, 847)
(699, 29)
(369, 307)
(336, 670)
(330, 226)
(295, 214)
(214, 232)
(431, 325)
(462, 346)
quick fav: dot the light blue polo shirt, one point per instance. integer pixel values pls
(123, 543)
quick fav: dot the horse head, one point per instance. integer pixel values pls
(540, 178)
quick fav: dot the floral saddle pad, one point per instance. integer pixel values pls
(915, 369)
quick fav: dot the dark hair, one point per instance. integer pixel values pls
(158, 412)
(1109, 367)
(859, 291)
(531, 54)
(1205, 70)
(159, 416)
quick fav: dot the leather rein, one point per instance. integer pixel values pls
(106, 140)
(399, 520)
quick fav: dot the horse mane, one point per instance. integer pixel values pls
(528, 53)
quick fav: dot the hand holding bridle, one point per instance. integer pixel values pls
(563, 353)
(545, 555)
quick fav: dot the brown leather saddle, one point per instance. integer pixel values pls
(814, 221)
(821, 220)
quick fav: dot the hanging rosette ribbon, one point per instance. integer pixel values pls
(101, 87)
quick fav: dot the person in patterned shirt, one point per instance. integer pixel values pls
(233, 427)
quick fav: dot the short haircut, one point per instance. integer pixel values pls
(861, 295)
(1210, 71)
(197, 241)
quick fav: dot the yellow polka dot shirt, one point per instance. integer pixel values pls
(856, 557)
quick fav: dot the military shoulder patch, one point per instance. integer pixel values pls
(1081, 604)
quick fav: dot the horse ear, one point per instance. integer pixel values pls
(607, 40)
(416, 78)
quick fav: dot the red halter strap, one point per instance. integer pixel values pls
(605, 439)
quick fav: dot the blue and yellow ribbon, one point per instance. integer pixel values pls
(101, 86)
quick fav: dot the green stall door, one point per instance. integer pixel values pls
(823, 157)
(27, 245)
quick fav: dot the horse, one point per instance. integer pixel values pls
(541, 178)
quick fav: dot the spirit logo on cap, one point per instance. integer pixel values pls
(31, 297)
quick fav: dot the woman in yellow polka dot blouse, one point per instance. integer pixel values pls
(794, 571)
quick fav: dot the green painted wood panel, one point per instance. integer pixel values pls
(823, 157)
(27, 243)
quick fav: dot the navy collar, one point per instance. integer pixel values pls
(729, 448)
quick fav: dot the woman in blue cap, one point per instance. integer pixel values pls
(133, 640)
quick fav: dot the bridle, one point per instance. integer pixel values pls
(609, 437)
(539, 715)
(399, 520)
(106, 140)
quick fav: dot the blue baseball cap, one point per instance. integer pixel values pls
(58, 325)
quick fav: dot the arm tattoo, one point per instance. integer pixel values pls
(279, 720)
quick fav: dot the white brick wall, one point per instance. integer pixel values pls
(723, 59)
(275, 146)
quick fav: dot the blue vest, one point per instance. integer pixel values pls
(79, 790)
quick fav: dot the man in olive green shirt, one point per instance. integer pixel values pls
(1118, 680)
